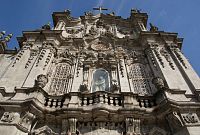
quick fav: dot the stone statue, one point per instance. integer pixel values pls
(134, 10)
(159, 83)
(100, 84)
(153, 28)
(41, 81)
(46, 26)
(67, 11)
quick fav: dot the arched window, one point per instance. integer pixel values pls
(140, 79)
(100, 80)
(61, 79)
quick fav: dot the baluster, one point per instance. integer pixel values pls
(84, 101)
(54, 102)
(154, 102)
(106, 98)
(144, 101)
(150, 103)
(90, 101)
(111, 100)
(46, 102)
(140, 102)
(56, 105)
(96, 99)
(116, 101)
(58, 102)
(147, 102)
(101, 100)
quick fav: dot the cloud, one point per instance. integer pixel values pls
(100, 3)
(121, 5)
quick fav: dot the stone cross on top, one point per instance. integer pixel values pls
(100, 8)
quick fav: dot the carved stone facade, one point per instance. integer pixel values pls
(98, 75)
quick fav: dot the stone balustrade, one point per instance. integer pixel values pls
(146, 102)
(102, 98)
(54, 102)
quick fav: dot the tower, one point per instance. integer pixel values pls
(98, 74)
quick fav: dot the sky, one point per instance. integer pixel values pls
(181, 16)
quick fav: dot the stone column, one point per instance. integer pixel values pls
(132, 126)
(72, 125)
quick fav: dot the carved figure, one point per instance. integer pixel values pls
(41, 81)
(153, 28)
(134, 10)
(68, 12)
(159, 83)
(100, 84)
(46, 26)
(115, 86)
(89, 13)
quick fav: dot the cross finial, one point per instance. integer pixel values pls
(100, 8)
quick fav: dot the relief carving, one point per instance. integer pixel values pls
(157, 131)
(9, 117)
(100, 46)
(190, 118)
(178, 54)
(165, 53)
(45, 130)
(132, 126)
(174, 121)
(26, 121)
(158, 56)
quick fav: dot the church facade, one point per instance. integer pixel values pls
(98, 75)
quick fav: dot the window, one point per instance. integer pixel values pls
(140, 79)
(60, 80)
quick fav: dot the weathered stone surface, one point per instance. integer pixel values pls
(100, 75)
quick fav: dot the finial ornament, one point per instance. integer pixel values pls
(67, 11)
(100, 8)
(2, 34)
(47, 26)
(135, 10)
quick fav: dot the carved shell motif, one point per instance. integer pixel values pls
(100, 46)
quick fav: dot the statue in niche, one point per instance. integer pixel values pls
(100, 84)
(100, 80)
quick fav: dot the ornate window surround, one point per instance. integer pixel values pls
(60, 80)
(107, 81)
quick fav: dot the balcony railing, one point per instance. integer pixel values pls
(101, 97)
